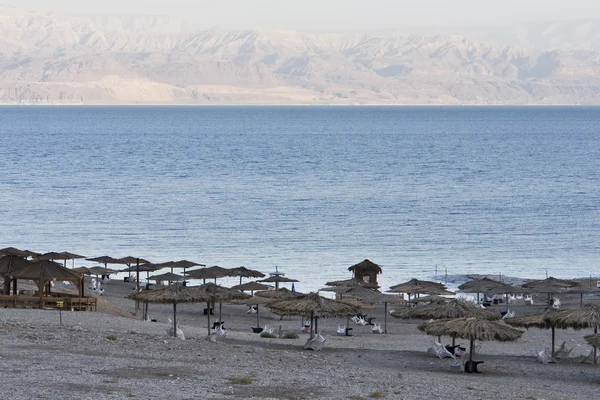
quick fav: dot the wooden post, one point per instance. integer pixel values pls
(137, 285)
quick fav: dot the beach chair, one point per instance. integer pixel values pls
(268, 329)
(509, 314)
(376, 328)
(220, 333)
(563, 351)
(251, 310)
(589, 358)
(179, 332)
(341, 330)
(556, 303)
(528, 300)
(315, 343)
(362, 321)
(355, 319)
(544, 357)
(438, 350)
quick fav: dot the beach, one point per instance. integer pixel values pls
(111, 354)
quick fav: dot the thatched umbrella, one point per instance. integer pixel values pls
(132, 261)
(472, 328)
(442, 311)
(484, 285)
(586, 317)
(169, 277)
(352, 283)
(252, 286)
(244, 272)
(279, 294)
(104, 260)
(277, 279)
(173, 294)
(593, 340)
(214, 293)
(372, 296)
(13, 251)
(9, 264)
(185, 264)
(542, 321)
(82, 270)
(583, 290)
(314, 305)
(63, 255)
(416, 286)
(550, 286)
(432, 299)
(214, 272)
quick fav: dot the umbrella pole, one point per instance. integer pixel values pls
(471, 349)
(385, 318)
(208, 316)
(453, 340)
(506, 301)
(220, 307)
(581, 299)
(595, 331)
(137, 284)
(311, 325)
(316, 325)
(257, 321)
(174, 319)
(553, 332)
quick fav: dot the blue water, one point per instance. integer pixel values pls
(312, 190)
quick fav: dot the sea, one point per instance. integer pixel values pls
(425, 192)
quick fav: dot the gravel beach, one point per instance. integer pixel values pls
(112, 354)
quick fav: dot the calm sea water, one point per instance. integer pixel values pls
(312, 190)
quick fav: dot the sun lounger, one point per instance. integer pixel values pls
(438, 350)
(316, 343)
(220, 333)
(563, 352)
(544, 357)
(509, 314)
(376, 328)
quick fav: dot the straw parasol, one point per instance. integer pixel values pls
(451, 309)
(252, 286)
(13, 251)
(63, 255)
(542, 321)
(214, 272)
(551, 285)
(185, 264)
(586, 317)
(244, 272)
(432, 299)
(82, 270)
(372, 296)
(277, 279)
(213, 293)
(352, 283)
(472, 328)
(169, 277)
(314, 305)
(173, 294)
(416, 286)
(593, 340)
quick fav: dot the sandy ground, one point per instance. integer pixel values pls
(114, 355)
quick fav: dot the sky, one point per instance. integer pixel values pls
(332, 15)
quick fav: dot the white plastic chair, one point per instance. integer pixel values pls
(341, 330)
(438, 350)
(563, 351)
(509, 314)
(556, 303)
(376, 328)
(362, 321)
(544, 357)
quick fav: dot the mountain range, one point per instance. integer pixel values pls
(65, 59)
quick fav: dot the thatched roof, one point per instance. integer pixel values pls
(551, 285)
(585, 317)
(104, 260)
(482, 285)
(171, 294)
(63, 255)
(218, 293)
(245, 272)
(593, 340)
(185, 264)
(371, 296)
(366, 267)
(10, 263)
(363, 305)
(277, 279)
(131, 260)
(280, 294)
(251, 286)
(169, 276)
(415, 285)
(101, 271)
(472, 328)
(13, 251)
(46, 270)
(451, 309)
(352, 283)
(214, 272)
(312, 303)
(431, 299)
(147, 267)
(542, 321)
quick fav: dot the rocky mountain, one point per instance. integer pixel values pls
(49, 58)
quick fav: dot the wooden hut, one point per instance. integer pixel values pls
(366, 271)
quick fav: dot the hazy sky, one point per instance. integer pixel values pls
(332, 14)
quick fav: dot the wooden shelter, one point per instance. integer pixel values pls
(366, 271)
(9, 264)
(44, 272)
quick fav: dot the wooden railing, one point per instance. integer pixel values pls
(68, 303)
